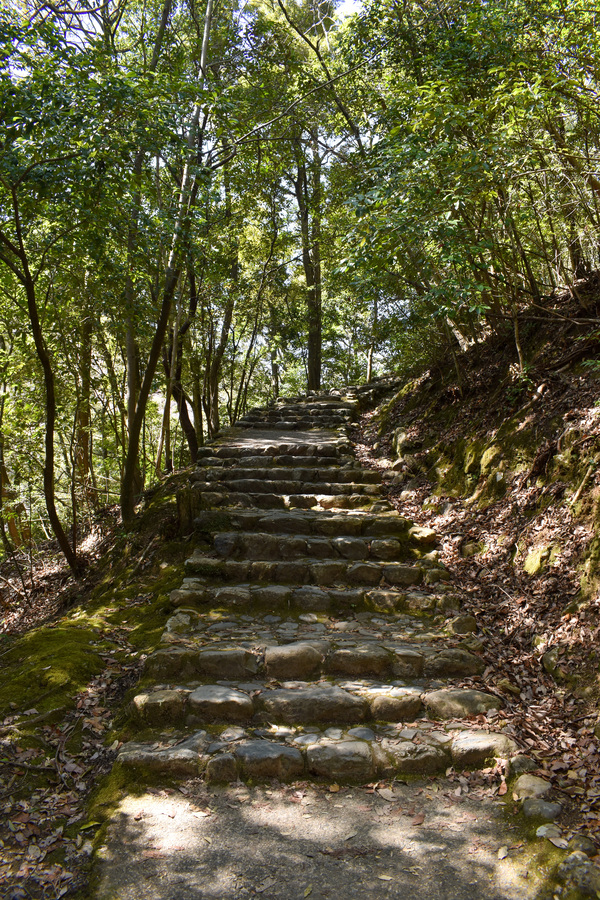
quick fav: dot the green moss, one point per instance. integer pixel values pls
(493, 488)
(472, 458)
(45, 668)
(537, 560)
(490, 458)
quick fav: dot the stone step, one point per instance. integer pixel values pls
(356, 754)
(316, 403)
(329, 449)
(309, 475)
(329, 524)
(300, 424)
(211, 495)
(292, 486)
(310, 571)
(320, 418)
(307, 598)
(304, 703)
(333, 411)
(310, 407)
(254, 545)
(308, 659)
(287, 460)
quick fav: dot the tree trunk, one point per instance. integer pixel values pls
(179, 242)
(307, 187)
(50, 404)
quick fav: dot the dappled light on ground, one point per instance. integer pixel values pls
(319, 841)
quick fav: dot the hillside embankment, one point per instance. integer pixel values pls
(504, 465)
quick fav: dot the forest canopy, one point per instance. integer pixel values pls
(208, 205)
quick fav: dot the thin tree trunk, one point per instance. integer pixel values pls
(179, 242)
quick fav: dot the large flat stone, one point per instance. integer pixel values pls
(387, 526)
(396, 704)
(272, 594)
(328, 572)
(407, 663)
(314, 704)
(228, 663)
(262, 759)
(221, 768)
(366, 660)
(473, 748)
(214, 702)
(160, 707)
(409, 758)
(452, 662)
(385, 601)
(312, 598)
(396, 573)
(343, 760)
(182, 760)
(233, 595)
(298, 660)
(386, 549)
(350, 548)
(176, 662)
(450, 703)
(364, 573)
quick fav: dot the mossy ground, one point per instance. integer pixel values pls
(63, 681)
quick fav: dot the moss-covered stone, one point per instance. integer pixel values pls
(536, 560)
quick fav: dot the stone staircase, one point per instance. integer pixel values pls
(310, 637)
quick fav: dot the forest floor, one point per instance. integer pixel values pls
(56, 736)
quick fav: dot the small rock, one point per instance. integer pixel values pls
(536, 808)
(531, 786)
(470, 549)
(550, 662)
(521, 763)
(362, 733)
(549, 831)
(423, 536)
(583, 844)
(233, 734)
(462, 625)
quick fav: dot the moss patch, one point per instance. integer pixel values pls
(47, 667)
